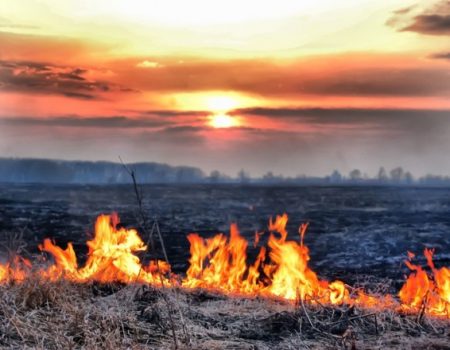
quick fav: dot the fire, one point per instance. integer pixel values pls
(16, 270)
(280, 270)
(111, 257)
(220, 264)
(423, 291)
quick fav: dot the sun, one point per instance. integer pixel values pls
(221, 103)
(220, 121)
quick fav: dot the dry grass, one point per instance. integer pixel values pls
(61, 315)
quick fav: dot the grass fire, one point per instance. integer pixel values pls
(219, 267)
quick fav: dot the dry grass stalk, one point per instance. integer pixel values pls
(143, 223)
(62, 315)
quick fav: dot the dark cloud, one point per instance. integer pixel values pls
(79, 95)
(178, 137)
(355, 118)
(430, 24)
(374, 119)
(383, 82)
(89, 122)
(345, 115)
(441, 55)
(183, 129)
(347, 77)
(43, 78)
(434, 20)
(171, 113)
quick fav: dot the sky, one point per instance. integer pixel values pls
(292, 87)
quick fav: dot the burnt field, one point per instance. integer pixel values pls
(354, 231)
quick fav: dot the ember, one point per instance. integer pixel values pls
(280, 270)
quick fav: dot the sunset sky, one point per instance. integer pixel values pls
(295, 87)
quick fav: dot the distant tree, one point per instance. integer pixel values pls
(355, 175)
(188, 174)
(243, 177)
(382, 175)
(409, 178)
(215, 176)
(397, 174)
(335, 177)
(268, 177)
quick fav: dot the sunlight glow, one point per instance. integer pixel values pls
(220, 121)
(221, 103)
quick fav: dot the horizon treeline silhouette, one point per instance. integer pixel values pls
(29, 170)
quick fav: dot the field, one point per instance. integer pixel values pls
(352, 231)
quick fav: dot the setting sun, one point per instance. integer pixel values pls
(221, 103)
(223, 121)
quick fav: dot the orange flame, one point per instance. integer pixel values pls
(110, 258)
(221, 264)
(421, 291)
(15, 271)
(280, 270)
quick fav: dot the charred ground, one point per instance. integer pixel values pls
(353, 232)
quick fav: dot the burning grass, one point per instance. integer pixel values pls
(114, 301)
(38, 313)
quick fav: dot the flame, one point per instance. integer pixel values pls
(111, 257)
(220, 263)
(15, 271)
(424, 292)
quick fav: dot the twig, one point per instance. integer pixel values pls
(351, 319)
(183, 323)
(169, 309)
(155, 226)
(140, 269)
(313, 326)
(142, 219)
(307, 315)
(422, 309)
(376, 324)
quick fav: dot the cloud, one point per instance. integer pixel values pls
(87, 122)
(325, 119)
(348, 76)
(404, 10)
(336, 115)
(45, 78)
(382, 82)
(356, 75)
(7, 24)
(441, 55)
(48, 48)
(173, 113)
(430, 24)
(184, 129)
(434, 20)
(149, 64)
(403, 120)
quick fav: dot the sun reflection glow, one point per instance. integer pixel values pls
(221, 103)
(223, 121)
